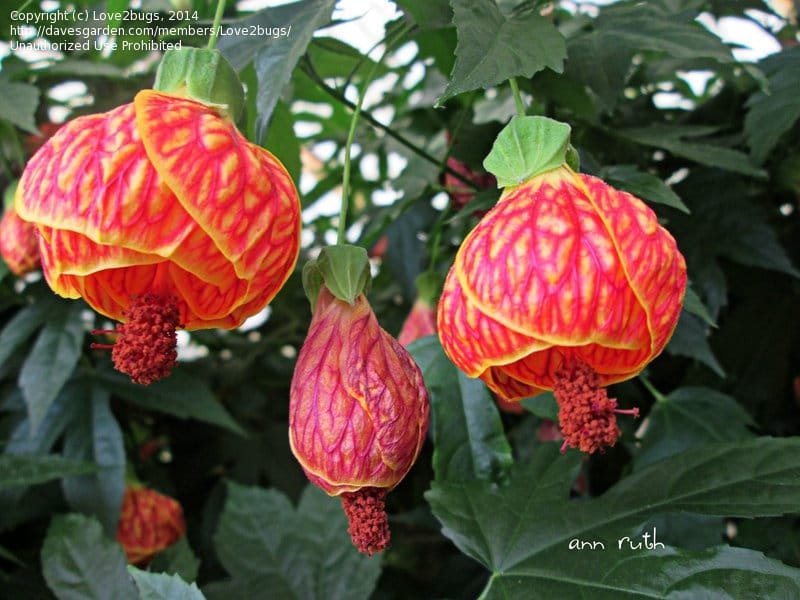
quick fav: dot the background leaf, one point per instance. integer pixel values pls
(18, 102)
(773, 112)
(95, 435)
(272, 550)
(50, 362)
(180, 395)
(642, 185)
(492, 47)
(524, 538)
(674, 139)
(274, 57)
(158, 586)
(689, 417)
(30, 470)
(80, 563)
(465, 424)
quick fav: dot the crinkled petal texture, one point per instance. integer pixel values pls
(359, 409)
(18, 243)
(564, 266)
(149, 522)
(162, 195)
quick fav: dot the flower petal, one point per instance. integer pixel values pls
(473, 340)
(94, 178)
(238, 192)
(359, 410)
(542, 263)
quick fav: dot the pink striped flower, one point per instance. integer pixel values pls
(358, 413)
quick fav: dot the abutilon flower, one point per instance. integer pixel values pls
(421, 321)
(460, 193)
(18, 243)
(149, 522)
(568, 285)
(358, 413)
(161, 214)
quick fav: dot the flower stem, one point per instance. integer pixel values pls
(308, 69)
(342, 228)
(651, 388)
(212, 41)
(517, 96)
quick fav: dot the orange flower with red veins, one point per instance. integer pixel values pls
(149, 522)
(160, 214)
(358, 414)
(567, 285)
(18, 243)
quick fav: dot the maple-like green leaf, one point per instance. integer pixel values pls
(526, 531)
(600, 62)
(654, 26)
(689, 417)
(272, 550)
(493, 47)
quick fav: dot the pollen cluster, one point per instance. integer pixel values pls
(585, 412)
(369, 525)
(146, 344)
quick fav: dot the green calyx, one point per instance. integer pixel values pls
(529, 146)
(343, 269)
(201, 74)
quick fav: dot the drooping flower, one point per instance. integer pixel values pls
(568, 285)
(18, 243)
(149, 523)
(160, 214)
(358, 413)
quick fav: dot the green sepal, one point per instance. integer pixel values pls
(201, 74)
(573, 158)
(343, 269)
(429, 286)
(526, 147)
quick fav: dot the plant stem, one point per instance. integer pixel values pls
(651, 388)
(339, 97)
(517, 96)
(340, 238)
(212, 41)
